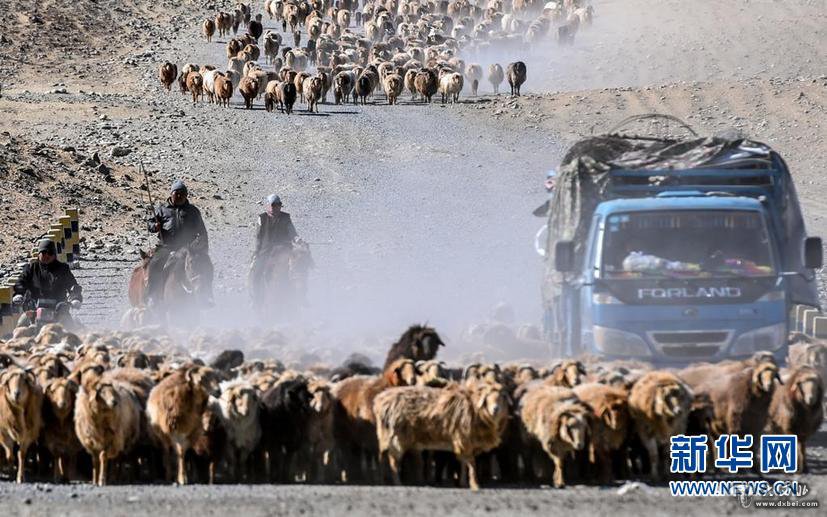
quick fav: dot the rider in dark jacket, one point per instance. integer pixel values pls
(275, 230)
(48, 278)
(179, 225)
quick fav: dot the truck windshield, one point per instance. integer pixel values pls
(686, 244)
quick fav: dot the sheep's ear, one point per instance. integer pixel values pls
(777, 376)
(191, 376)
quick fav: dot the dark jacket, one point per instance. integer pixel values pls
(53, 281)
(273, 231)
(180, 227)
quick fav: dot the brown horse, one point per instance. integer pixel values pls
(178, 296)
(284, 276)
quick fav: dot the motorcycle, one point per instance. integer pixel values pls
(43, 311)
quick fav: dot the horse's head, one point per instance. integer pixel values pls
(190, 279)
(300, 257)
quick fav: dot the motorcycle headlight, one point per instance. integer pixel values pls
(618, 342)
(767, 339)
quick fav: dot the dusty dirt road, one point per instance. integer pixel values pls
(415, 212)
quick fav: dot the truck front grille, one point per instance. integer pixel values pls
(690, 350)
(689, 338)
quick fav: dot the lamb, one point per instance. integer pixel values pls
(239, 410)
(466, 419)
(208, 29)
(393, 85)
(21, 401)
(195, 85)
(610, 407)
(556, 419)
(353, 415)
(659, 406)
(174, 411)
(516, 73)
(167, 75)
(450, 86)
(495, 77)
(796, 408)
(418, 343)
(474, 73)
(312, 92)
(107, 422)
(59, 436)
(248, 88)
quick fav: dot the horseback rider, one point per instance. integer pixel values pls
(179, 225)
(275, 231)
(549, 184)
(48, 278)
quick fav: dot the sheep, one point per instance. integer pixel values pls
(659, 406)
(568, 374)
(343, 83)
(255, 27)
(285, 412)
(174, 411)
(810, 354)
(474, 73)
(239, 410)
(272, 42)
(209, 84)
(426, 83)
(495, 77)
(107, 422)
(167, 75)
(417, 343)
(362, 89)
(410, 81)
(195, 85)
(393, 85)
(223, 22)
(223, 90)
(450, 86)
(234, 46)
(296, 60)
(208, 29)
(319, 438)
(59, 436)
(556, 419)
(21, 401)
(248, 88)
(467, 419)
(353, 415)
(516, 73)
(611, 421)
(287, 96)
(211, 444)
(312, 89)
(796, 408)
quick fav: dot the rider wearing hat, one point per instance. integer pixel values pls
(549, 183)
(275, 230)
(48, 278)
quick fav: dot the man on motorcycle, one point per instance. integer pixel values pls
(549, 184)
(48, 279)
(275, 230)
(178, 225)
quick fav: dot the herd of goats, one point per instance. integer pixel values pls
(137, 407)
(412, 45)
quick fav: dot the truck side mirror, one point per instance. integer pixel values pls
(813, 253)
(564, 256)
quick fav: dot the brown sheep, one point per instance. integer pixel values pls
(223, 21)
(474, 73)
(796, 408)
(426, 83)
(610, 408)
(558, 420)
(362, 89)
(418, 343)
(248, 88)
(410, 82)
(298, 82)
(182, 77)
(167, 75)
(516, 73)
(393, 85)
(211, 444)
(312, 89)
(810, 354)
(107, 422)
(568, 374)
(195, 85)
(466, 419)
(286, 96)
(234, 46)
(174, 411)
(320, 431)
(353, 418)
(223, 90)
(59, 436)
(495, 77)
(208, 29)
(21, 401)
(659, 406)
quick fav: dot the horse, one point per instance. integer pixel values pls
(179, 292)
(284, 276)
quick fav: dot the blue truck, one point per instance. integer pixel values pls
(675, 251)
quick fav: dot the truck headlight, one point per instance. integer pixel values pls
(618, 342)
(605, 299)
(767, 339)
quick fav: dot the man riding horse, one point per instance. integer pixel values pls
(179, 227)
(275, 234)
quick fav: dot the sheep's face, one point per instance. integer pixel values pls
(61, 393)
(670, 401)
(764, 377)
(107, 396)
(573, 373)
(492, 400)
(525, 374)
(472, 371)
(322, 400)
(615, 415)
(809, 390)
(18, 384)
(204, 377)
(574, 429)
(244, 401)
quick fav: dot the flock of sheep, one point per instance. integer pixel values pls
(130, 407)
(404, 45)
